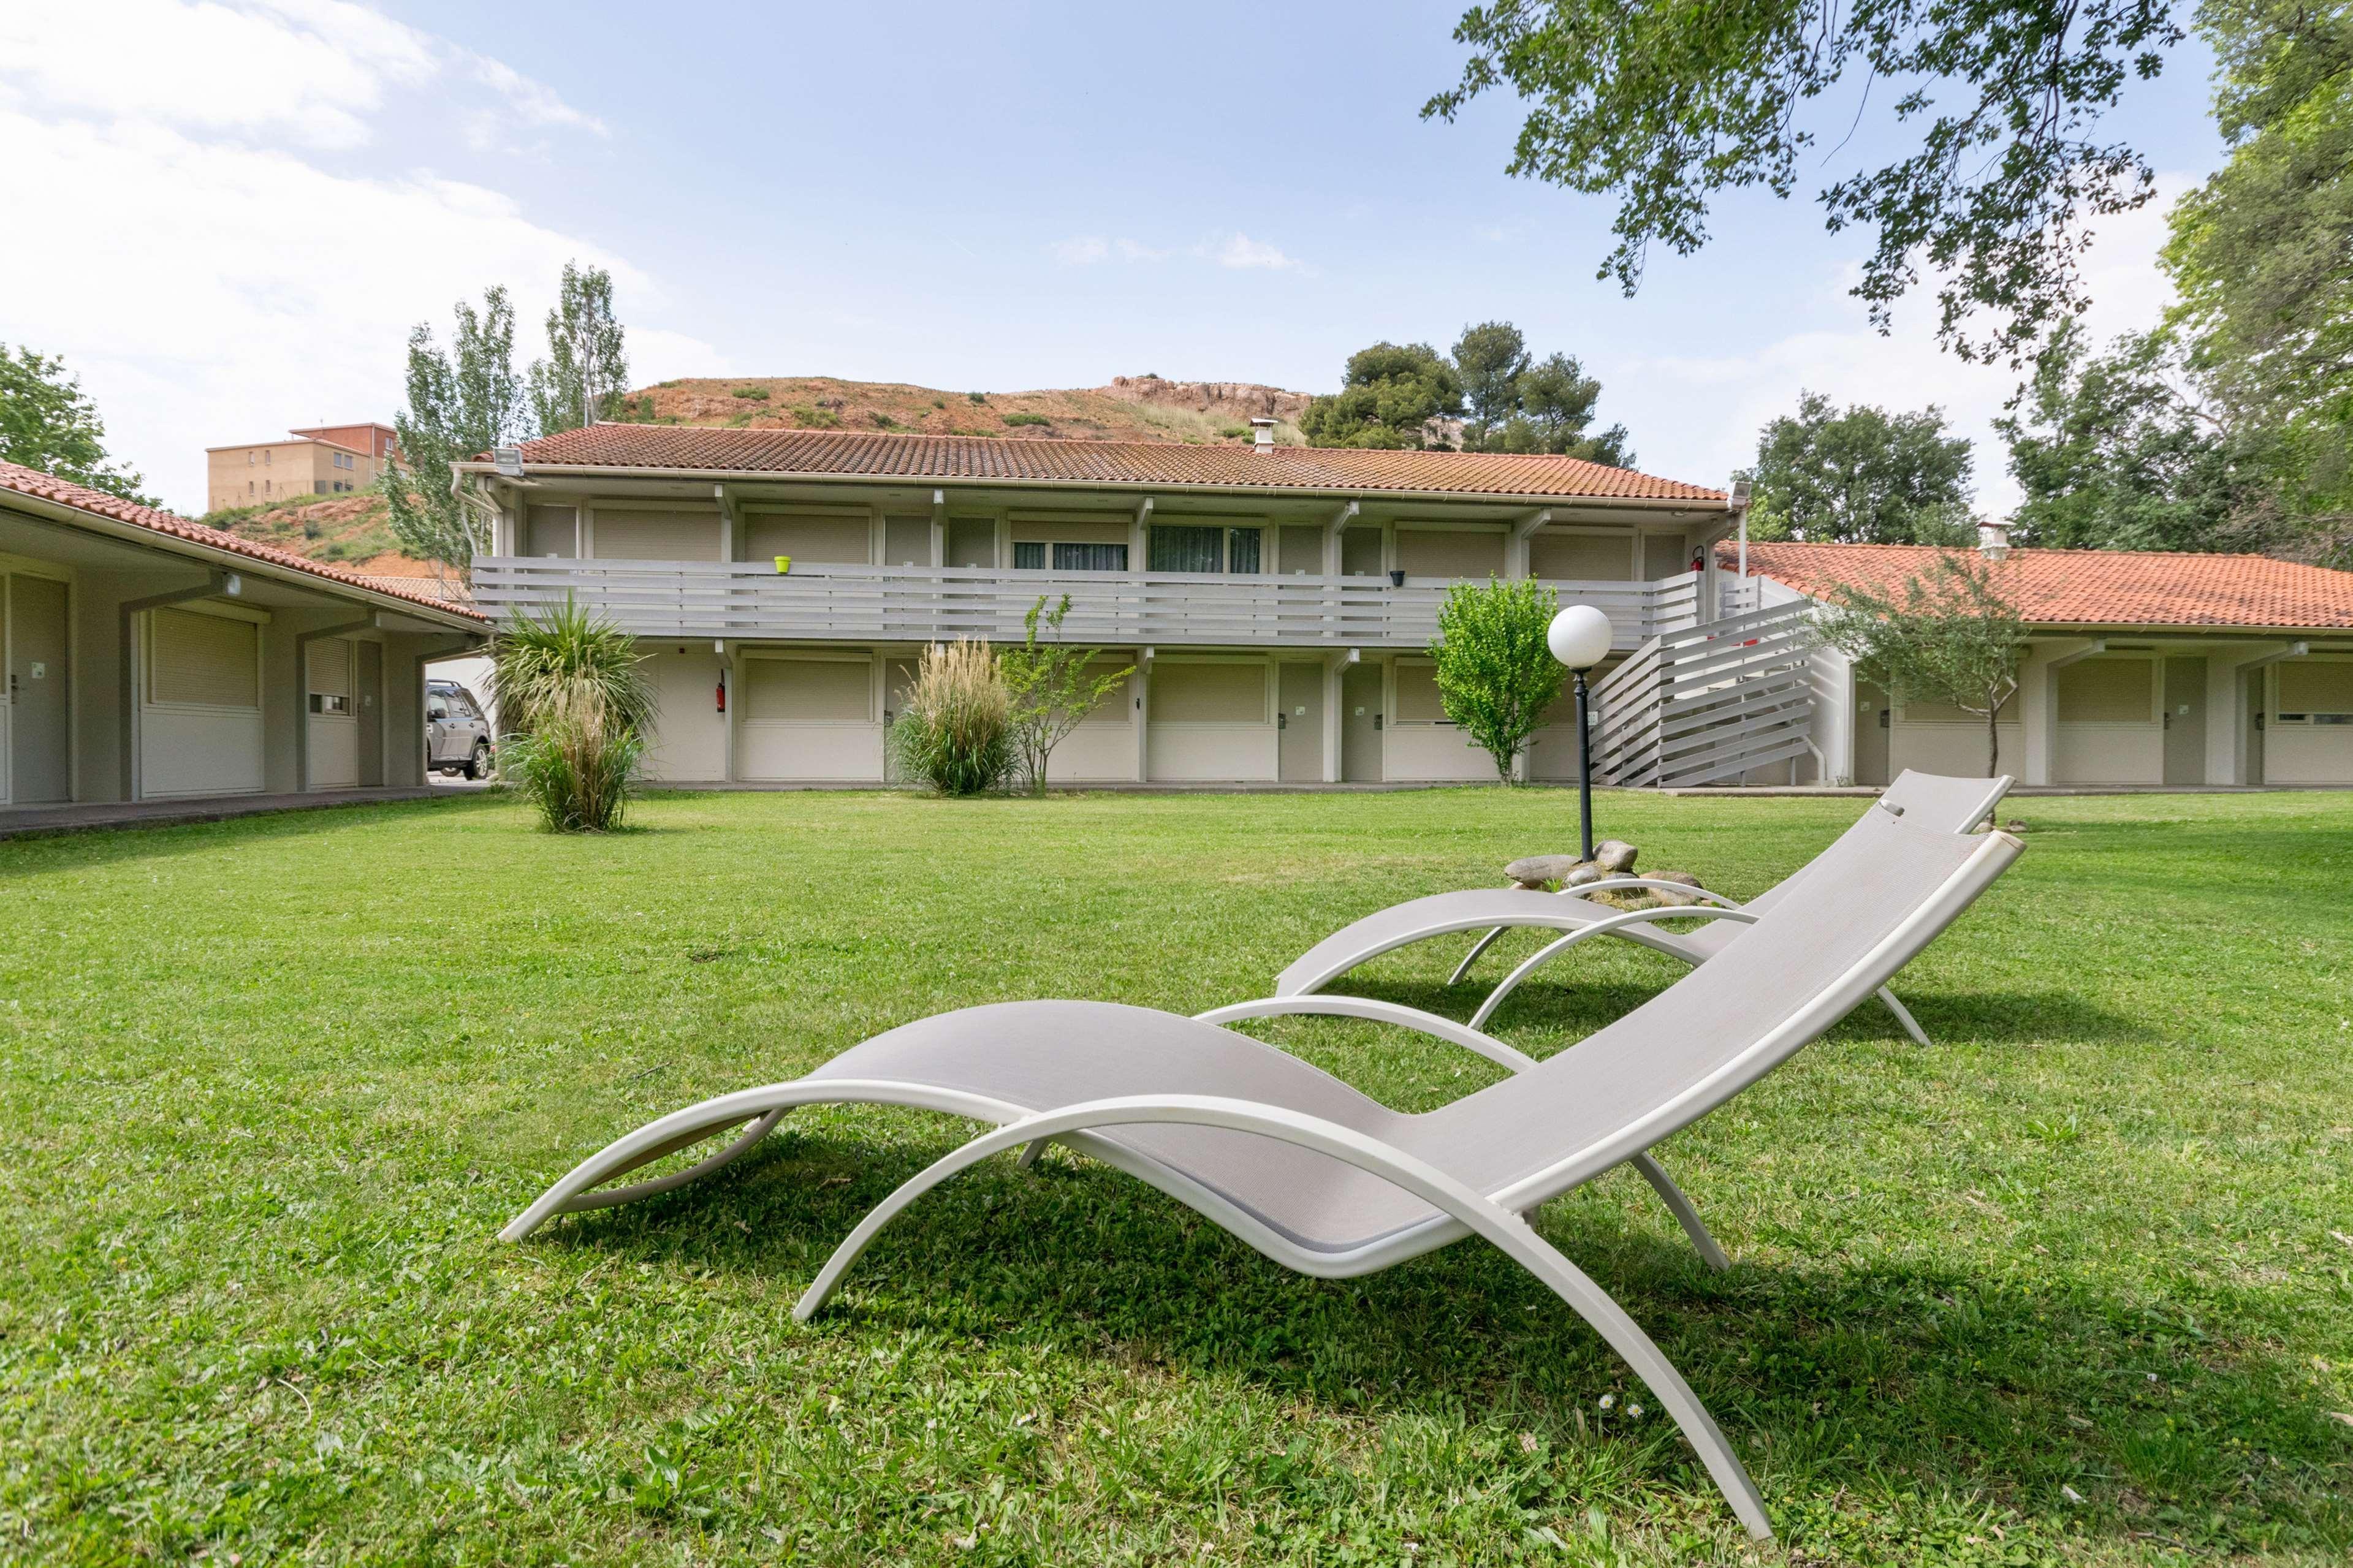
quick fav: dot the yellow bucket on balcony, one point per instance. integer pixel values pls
(783, 564)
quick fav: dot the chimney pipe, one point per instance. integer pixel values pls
(1993, 540)
(1262, 434)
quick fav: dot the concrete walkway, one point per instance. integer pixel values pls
(36, 821)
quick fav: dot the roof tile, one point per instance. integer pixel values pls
(48, 487)
(2092, 587)
(849, 453)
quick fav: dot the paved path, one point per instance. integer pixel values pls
(33, 820)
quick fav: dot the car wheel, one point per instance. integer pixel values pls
(477, 766)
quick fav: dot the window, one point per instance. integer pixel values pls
(1189, 547)
(1029, 556)
(2314, 692)
(436, 707)
(2108, 691)
(249, 459)
(1089, 557)
(319, 487)
(266, 456)
(208, 661)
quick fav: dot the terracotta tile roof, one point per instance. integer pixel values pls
(2092, 587)
(33, 482)
(841, 453)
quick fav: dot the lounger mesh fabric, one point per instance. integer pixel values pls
(1925, 800)
(1668, 1062)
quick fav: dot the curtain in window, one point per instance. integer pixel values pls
(1090, 557)
(1029, 556)
(1178, 549)
(1242, 549)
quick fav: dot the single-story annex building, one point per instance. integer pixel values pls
(150, 658)
(2142, 668)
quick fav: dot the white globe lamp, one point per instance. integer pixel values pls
(1579, 637)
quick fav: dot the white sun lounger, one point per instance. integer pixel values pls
(1328, 1181)
(1925, 800)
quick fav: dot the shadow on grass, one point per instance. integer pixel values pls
(1840, 1384)
(84, 848)
(1543, 1006)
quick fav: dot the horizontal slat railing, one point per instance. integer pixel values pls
(856, 603)
(1701, 704)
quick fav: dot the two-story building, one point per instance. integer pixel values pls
(323, 460)
(1278, 602)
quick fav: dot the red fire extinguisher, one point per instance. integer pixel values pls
(722, 693)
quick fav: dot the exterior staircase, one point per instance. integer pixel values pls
(1709, 703)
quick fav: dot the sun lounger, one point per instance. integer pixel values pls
(1328, 1181)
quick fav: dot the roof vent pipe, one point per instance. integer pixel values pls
(1993, 540)
(1262, 434)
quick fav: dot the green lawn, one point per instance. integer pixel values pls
(268, 1088)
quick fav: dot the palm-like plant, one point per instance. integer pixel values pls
(574, 687)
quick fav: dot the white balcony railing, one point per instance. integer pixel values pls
(901, 603)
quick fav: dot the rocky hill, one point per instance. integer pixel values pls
(350, 531)
(1131, 408)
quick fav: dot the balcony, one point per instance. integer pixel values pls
(748, 601)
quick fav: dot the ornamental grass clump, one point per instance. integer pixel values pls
(574, 687)
(955, 729)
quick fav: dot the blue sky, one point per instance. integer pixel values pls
(1019, 196)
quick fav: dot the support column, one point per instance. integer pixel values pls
(1143, 714)
(1335, 668)
(1332, 532)
(1516, 548)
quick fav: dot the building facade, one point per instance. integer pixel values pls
(150, 658)
(1277, 603)
(2142, 668)
(324, 460)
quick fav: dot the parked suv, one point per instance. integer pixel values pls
(456, 736)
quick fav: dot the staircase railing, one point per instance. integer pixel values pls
(1707, 703)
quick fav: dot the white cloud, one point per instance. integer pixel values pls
(1239, 249)
(1086, 250)
(312, 72)
(161, 265)
(1905, 370)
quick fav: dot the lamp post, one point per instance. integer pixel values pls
(1579, 637)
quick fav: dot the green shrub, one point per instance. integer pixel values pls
(1496, 675)
(1027, 419)
(574, 687)
(977, 396)
(816, 419)
(1232, 431)
(955, 732)
(756, 394)
(882, 421)
(939, 403)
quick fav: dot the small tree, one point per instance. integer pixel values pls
(1051, 689)
(1496, 678)
(582, 378)
(1949, 637)
(461, 404)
